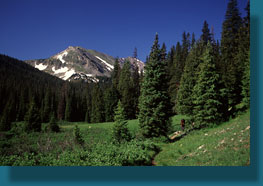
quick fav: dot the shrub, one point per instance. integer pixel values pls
(53, 126)
(120, 130)
(78, 135)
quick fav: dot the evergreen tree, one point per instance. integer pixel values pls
(32, 118)
(126, 91)
(47, 108)
(206, 35)
(54, 127)
(22, 107)
(62, 103)
(5, 122)
(115, 76)
(110, 102)
(136, 79)
(206, 93)
(154, 102)
(246, 83)
(229, 49)
(244, 55)
(193, 40)
(120, 128)
(175, 74)
(181, 53)
(68, 110)
(89, 105)
(163, 53)
(78, 136)
(170, 60)
(184, 99)
(97, 102)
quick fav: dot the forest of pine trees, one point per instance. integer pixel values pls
(205, 79)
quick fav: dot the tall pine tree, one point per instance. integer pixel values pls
(207, 93)
(206, 35)
(154, 102)
(184, 99)
(32, 118)
(97, 102)
(244, 57)
(175, 73)
(120, 129)
(110, 103)
(229, 50)
(126, 91)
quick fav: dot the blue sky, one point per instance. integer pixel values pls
(33, 29)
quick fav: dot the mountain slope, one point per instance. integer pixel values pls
(78, 63)
(227, 144)
(20, 83)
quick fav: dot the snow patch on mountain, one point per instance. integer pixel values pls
(61, 70)
(60, 56)
(108, 66)
(68, 74)
(40, 66)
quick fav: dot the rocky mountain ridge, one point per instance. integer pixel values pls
(76, 63)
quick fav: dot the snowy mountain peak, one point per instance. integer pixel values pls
(76, 63)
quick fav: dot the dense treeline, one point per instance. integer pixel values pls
(24, 89)
(210, 79)
(28, 94)
(200, 77)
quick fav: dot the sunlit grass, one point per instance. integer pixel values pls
(226, 145)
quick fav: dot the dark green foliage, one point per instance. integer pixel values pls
(206, 35)
(174, 71)
(88, 108)
(5, 122)
(177, 68)
(97, 103)
(244, 57)
(185, 46)
(193, 40)
(127, 94)
(32, 118)
(206, 93)
(184, 101)
(22, 107)
(136, 86)
(69, 109)
(62, 103)
(246, 83)
(154, 102)
(20, 82)
(47, 107)
(110, 102)
(163, 53)
(230, 69)
(115, 76)
(120, 129)
(78, 136)
(53, 125)
(181, 53)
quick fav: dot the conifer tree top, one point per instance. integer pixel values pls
(155, 51)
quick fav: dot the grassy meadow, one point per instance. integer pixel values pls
(225, 145)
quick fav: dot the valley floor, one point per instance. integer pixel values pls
(225, 145)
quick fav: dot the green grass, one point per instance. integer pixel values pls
(18, 148)
(225, 145)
